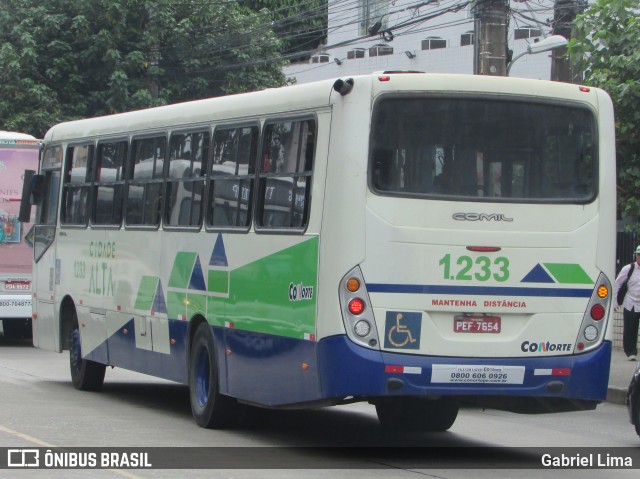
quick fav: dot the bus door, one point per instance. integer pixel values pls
(46, 333)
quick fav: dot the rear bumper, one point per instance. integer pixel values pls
(350, 370)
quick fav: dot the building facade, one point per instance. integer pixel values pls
(436, 36)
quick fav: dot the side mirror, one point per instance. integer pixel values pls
(24, 215)
(32, 194)
(37, 190)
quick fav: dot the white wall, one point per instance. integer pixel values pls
(344, 27)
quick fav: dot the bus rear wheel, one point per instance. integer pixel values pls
(209, 408)
(86, 375)
(417, 414)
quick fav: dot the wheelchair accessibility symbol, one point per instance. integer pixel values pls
(402, 330)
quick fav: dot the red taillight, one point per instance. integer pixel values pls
(597, 312)
(356, 306)
(384, 78)
(584, 89)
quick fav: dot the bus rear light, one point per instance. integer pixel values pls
(362, 328)
(597, 312)
(603, 291)
(595, 316)
(356, 306)
(357, 312)
(590, 333)
(484, 249)
(584, 89)
(353, 285)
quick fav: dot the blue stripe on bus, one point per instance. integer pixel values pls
(479, 290)
(266, 369)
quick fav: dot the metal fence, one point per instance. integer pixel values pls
(626, 244)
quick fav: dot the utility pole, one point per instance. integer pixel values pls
(565, 11)
(491, 28)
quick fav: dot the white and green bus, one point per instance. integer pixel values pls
(422, 242)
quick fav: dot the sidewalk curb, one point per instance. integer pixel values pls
(617, 395)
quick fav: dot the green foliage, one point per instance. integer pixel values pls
(68, 59)
(301, 24)
(608, 51)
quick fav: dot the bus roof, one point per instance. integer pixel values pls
(293, 98)
(12, 139)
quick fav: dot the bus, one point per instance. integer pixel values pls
(18, 153)
(421, 242)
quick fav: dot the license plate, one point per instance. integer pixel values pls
(17, 286)
(476, 324)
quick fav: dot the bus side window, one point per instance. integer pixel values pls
(146, 185)
(109, 184)
(188, 153)
(232, 177)
(285, 174)
(78, 175)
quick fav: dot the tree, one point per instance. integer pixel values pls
(607, 49)
(300, 24)
(68, 59)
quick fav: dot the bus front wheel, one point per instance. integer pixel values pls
(210, 409)
(417, 414)
(86, 375)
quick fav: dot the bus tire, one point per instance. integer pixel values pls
(417, 414)
(209, 408)
(86, 375)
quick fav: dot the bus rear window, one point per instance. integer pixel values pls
(492, 149)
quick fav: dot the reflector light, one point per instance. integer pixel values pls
(603, 291)
(393, 369)
(353, 285)
(597, 312)
(580, 346)
(356, 306)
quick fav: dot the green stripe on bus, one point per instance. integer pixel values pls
(146, 292)
(261, 294)
(218, 281)
(182, 269)
(568, 273)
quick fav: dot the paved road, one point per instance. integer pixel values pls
(40, 408)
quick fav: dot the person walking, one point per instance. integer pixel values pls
(629, 277)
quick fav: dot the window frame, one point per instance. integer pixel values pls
(87, 184)
(260, 187)
(205, 130)
(97, 183)
(251, 177)
(430, 40)
(131, 180)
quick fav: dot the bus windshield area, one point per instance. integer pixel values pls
(489, 148)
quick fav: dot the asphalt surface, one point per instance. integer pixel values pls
(620, 375)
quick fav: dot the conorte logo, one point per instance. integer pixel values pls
(480, 217)
(23, 458)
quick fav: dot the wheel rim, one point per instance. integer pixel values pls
(202, 377)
